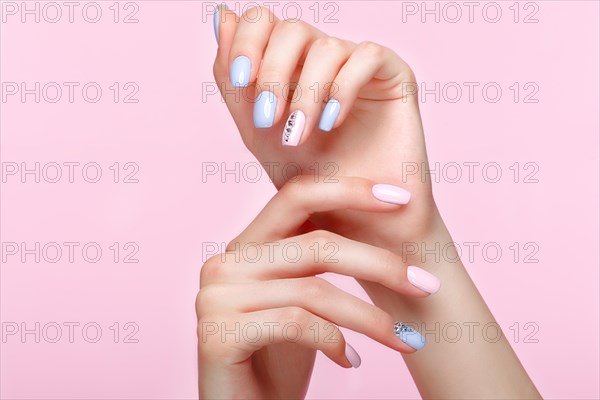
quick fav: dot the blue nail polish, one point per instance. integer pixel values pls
(216, 23)
(409, 336)
(330, 114)
(264, 110)
(239, 74)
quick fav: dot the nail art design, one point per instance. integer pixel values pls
(409, 336)
(264, 110)
(329, 116)
(293, 129)
(423, 280)
(391, 194)
(239, 73)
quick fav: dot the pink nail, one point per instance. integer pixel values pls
(423, 279)
(293, 129)
(352, 356)
(391, 194)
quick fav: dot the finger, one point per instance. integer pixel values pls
(285, 51)
(369, 69)
(252, 331)
(238, 101)
(225, 25)
(249, 43)
(316, 253)
(298, 199)
(323, 62)
(313, 294)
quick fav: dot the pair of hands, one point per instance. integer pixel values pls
(262, 317)
(262, 311)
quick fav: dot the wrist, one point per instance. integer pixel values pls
(433, 250)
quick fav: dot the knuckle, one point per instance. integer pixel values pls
(257, 13)
(271, 77)
(320, 238)
(207, 298)
(328, 44)
(313, 288)
(295, 314)
(371, 49)
(389, 263)
(213, 269)
(294, 187)
(288, 27)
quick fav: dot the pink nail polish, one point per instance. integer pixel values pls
(293, 129)
(391, 194)
(423, 279)
(352, 356)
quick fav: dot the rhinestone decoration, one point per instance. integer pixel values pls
(289, 125)
(399, 328)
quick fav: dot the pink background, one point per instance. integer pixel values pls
(170, 212)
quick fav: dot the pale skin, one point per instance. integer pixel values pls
(279, 288)
(377, 136)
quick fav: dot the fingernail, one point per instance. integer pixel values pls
(330, 114)
(293, 129)
(352, 356)
(409, 336)
(264, 110)
(422, 279)
(216, 16)
(391, 194)
(239, 73)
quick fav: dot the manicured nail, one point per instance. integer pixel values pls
(391, 194)
(409, 336)
(264, 110)
(239, 73)
(422, 279)
(352, 356)
(330, 114)
(293, 129)
(216, 22)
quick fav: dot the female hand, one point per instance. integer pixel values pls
(262, 312)
(377, 134)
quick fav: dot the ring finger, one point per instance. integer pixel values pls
(323, 62)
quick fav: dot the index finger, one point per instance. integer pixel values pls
(297, 200)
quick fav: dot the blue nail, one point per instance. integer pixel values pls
(330, 114)
(239, 73)
(264, 110)
(216, 23)
(409, 336)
